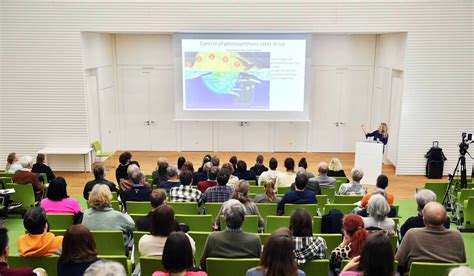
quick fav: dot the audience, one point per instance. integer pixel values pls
(185, 193)
(207, 158)
(221, 192)
(378, 210)
(432, 243)
(298, 196)
(180, 163)
(211, 178)
(303, 166)
(125, 160)
(25, 176)
(242, 173)
(12, 163)
(422, 198)
(381, 183)
(188, 166)
(259, 167)
(275, 260)
(233, 160)
(233, 180)
(38, 242)
(322, 179)
(5, 250)
(160, 175)
(232, 242)
(271, 174)
(178, 257)
(105, 268)
(41, 167)
(163, 224)
(363, 211)
(99, 178)
(57, 201)
(354, 187)
(78, 251)
(203, 174)
(287, 178)
(312, 185)
(173, 181)
(157, 198)
(335, 168)
(215, 161)
(127, 183)
(269, 196)
(138, 192)
(307, 246)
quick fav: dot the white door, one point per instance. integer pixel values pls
(196, 136)
(291, 136)
(256, 136)
(230, 136)
(394, 119)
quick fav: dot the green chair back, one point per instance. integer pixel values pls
(272, 223)
(342, 179)
(322, 200)
(464, 194)
(138, 207)
(311, 208)
(5, 179)
(45, 177)
(137, 235)
(332, 241)
(344, 208)
(257, 190)
(148, 265)
(250, 224)
(96, 146)
(184, 208)
(230, 267)
(394, 242)
(135, 217)
(213, 208)
(24, 193)
(109, 242)
(201, 223)
(432, 269)
(329, 192)
(60, 221)
(126, 263)
(263, 237)
(317, 224)
(4, 174)
(346, 199)
(284, 190)
(469, 213)
(316, 267)
(200, 240)
(116, 205)
(438, 188)
(267, 209)
(252, 182)
(338, 185)
(50, 264)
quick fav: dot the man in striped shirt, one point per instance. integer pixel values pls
(184, 192)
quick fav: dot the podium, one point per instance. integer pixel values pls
(369, 158)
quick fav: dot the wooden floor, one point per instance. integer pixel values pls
(402, 186)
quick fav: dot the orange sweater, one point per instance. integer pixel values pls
(365, 200)
(45, 244)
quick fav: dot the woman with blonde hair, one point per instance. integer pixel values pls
(12, 163)
(269, 195)
(335, 168)
(380, 135)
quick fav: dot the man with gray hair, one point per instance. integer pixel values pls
(323, 180)
(25, 176)
(138, 191)
(105, 268)
(232, 242)
(172, 173)
(422, 197)
(354, 187)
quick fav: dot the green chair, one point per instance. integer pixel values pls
(50, 264)
(322, 200)
(394, 242)
(45, 178)
(463, 195)
(138, 207)
(438, 188)
(317, 224)
(316, 267)
(5, 179)
(184, 208)
(257, 190)
(24, 193)
(272, 223)
(148, 265)
(284, 190)
(109, 242)
(267, 209)
(469, 213)
(230, 267)
(342, 179)
(200, 239)
(329, 192)
(332, 241)
(135, 217)
(432, 269)
(338, 185)
(60, 221)
(311, 208)
(213, 208)
(116, 205)
(250, 224)
(4, 174)
(196, 222)
(344, 208)
(98, 151)
(137, 235)
(264, 237)
(57, 232)
(252, 182)
(346, 261)
(346, 199)
(121, 259)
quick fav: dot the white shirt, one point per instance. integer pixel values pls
(150, 245)
(268, 175)
(14, 167)
(285, 179)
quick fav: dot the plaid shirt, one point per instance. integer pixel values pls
(185, 193)
(218, 193)
(309, 248)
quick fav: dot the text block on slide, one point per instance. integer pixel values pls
(368, 158)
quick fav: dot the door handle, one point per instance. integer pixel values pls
(342, 123)
(152, 122)
(337, 124)
(147, 123)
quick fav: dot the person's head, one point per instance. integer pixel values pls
(57, 189)
(100, 197)
(241, 191)
(26, 162)
(377, 257)
(162, 170)
(229, 167)
(300, 181)
(234, 213)
(138, 177)
(186, 178)
(269, 187)
(383, 129)
(161, 160)
(335, 164)
(206, 167)
(275, 259)
(40, 158)
(172, 172)
(212, 174)
(131, 168)
(273, 164)
(162, 221)
(99, 172)
(357, 175)
(4, 248)
(105, 268)
(302, 163)
(423, 197)
(215, 161)
(206, 158)
(233, 160)
(301, 224)
(378, 207)
(434, 214)
(382, 181)
(125, 158)
(353, 228)
(177, 253)
(35, 221)
(180, 163)
(78, 245)
(461, 271)
(241, 166)
(12, 158)
(323, 168)
(223, 177)
(289, 164)
(259, 159)
(157, 198)
(188, 166)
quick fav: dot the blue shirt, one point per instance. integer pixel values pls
(247, 175)
(296, 197)
(167, 185)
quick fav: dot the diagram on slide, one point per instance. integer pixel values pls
(226, 80)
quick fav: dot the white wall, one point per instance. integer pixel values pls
(42, 59)
(391, 50)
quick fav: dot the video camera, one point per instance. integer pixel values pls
(465, 141)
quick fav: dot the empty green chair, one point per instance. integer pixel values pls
(316, 267)
(213, 208)
(332, 241)
(230, 267)
(272, 223)
(438, 188)
(267, 209)
(137, 235)
(148, 265)
(24, 193)
(346, 199)
(196, 222)
(317, 224)
(250, 224)
(344, 208)
(184, 208)
(50, 264)
(138, 207)
(98, 151)
(311, 208)
(109, 242)
(329, 192)
(60, 221)
(200, 240)
(432, 269)
(469, 213)
(121, 259)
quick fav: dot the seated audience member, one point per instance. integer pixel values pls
(157, 198)
(215, 161)
(203, 174)
(269, 196)
(354, 187)
(125, 160)
(211, 178)
(322, 179)
(275, 259)
(207, 158)
(303, 166)
(376, 258)
(242, 173)
(138, 192)
(233, 180)
(287, 178)
(25, 176)
(422, 197)
(312, 184)
(38, 242)
(307, 246)
(5, 250)
(173, 181)
(271, 174)
(101, 216)
(160, 174)
(221, 192)
(232, 242)
(335, 168)
(378, 210)
(127, 183)
(363, 211)
(354, 237)
(78, 251)
(298, 196)
(178, 257)
(188, 166)
(99, 178)
(162, 225)
(180, 163)
(259, 167)
(233, 160)
(381, 183)
(185, 193)
(432, 243)
(57, 201)
(13, 164)
(105, 268)
(41, 167)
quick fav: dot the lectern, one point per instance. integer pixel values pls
(369, 158)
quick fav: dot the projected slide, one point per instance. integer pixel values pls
(266, 75)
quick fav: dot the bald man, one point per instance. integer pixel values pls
(432, 243)
(323, 180)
